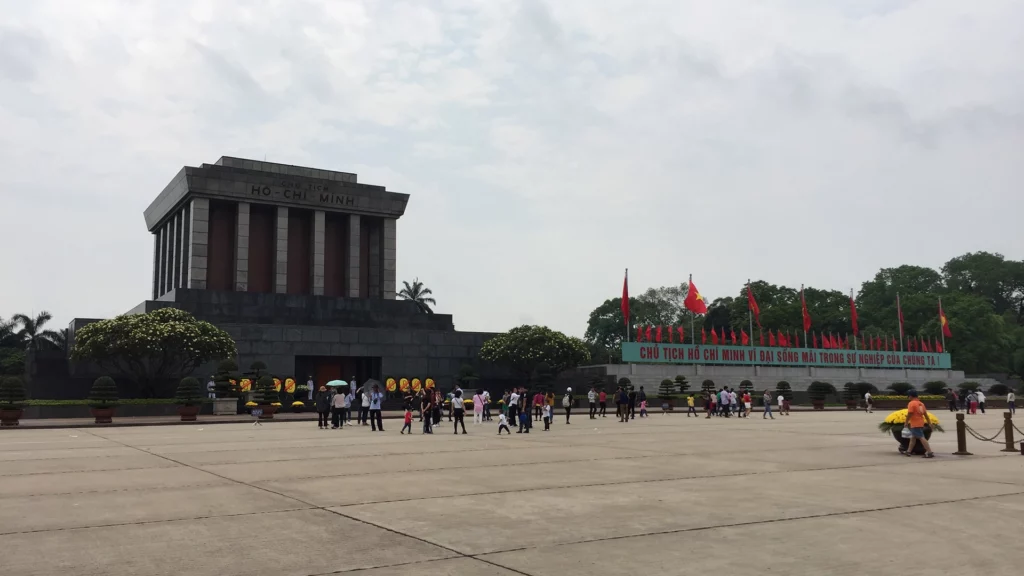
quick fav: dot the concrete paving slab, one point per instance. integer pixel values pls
(272, 544)
(30, 454)
(104, 481)
(137, 460)
(848, 544)
(59, 512)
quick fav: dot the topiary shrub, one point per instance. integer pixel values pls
(682, 384)
(850, 392)
(968, 386)
(707, 388)
(257, 368)
(265, 393)
(189, 392)
(935, 387)
(103, 393)
(784, 388)
(901, 388)
(820, 390)
(626, 384)
(998, 390)
(746, 386)
(666, 391)
(12, 393)
(865, 387)
(227, 370)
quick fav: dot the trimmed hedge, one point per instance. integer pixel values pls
(135, 401)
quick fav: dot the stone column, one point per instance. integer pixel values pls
(199, 238)
(242, 248)
(373, 261)
(281, 262)
(156, 264)
(352, 260)
(185, 254)
(174, 266)
(389, 258)
(319, 226)
(165, 257)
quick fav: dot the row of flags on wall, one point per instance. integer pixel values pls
(696, 304)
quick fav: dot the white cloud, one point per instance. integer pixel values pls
(546, 145)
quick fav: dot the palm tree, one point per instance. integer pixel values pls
(32, 334)
(418, 294)
(8, 337)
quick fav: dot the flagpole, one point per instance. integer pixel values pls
(855, 343)
(750, 315)
(693, 337)
(942, 329)
(626, 320)
(899, 312)
(803, 323)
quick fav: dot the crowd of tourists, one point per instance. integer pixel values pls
(970, 401)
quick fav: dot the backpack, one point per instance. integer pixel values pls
(566, 401)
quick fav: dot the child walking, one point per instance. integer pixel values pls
(408, 420)
(643, 408)
(547, 417)
(503, 424)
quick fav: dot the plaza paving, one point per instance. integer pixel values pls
(813, 493)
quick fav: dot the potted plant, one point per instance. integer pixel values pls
(103, 399)
(707, 388)
(267, 397)
(818, 391)
(665, 394)
(900, 388)
(850, 395)
(12, 400)
(682, 384)
(936, 388)
(188, 398)
(225, 383)
(298, 406)
(784, 388)
(894, 423)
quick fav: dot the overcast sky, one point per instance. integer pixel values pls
(547, 145)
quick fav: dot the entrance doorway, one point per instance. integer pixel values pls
(326, 368)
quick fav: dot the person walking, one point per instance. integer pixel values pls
(459, 409)
(631, 404)
(781, 400)
(709, 405)
(567, 401)
(487, 405)
(641, 399)
(538, 406)
(357, 403)
(734, 403)
(1011, 402)
(311, 387)
(524, 413)
(323, 407)
(868, 406)
(592, 400)
(513, 406)
(917, 416)
(746, 404)
(337, 404)
(622, 401)
(951, 399)
(503, 424)
(723, 402)
(602, 401)
(376, 398)
(478, 407)
(547, 417)
(408, 420)
(767, 400)
(690, 409)
(427, 409)
(211, 389)
(981, 400)
(785, 404)
(549, 401)
(972, 402)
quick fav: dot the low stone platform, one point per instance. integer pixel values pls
(811, 493)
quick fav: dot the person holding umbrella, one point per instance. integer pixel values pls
(338, 401)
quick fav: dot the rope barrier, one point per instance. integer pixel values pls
(977, 435)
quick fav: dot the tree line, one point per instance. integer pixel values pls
(21, 333)
(982, 295)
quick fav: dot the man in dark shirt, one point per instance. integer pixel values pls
(631, 407)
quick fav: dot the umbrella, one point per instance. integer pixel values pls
(370, 383)
(334, 383)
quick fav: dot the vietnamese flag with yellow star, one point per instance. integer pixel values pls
(694, 301)
(944, 322)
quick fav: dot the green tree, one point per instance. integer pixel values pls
(667, 389)
(189, 392)
(784, 388)
(935, 387)
(900, 388)
(12, 392)
(32, 335)
(103, 393)
(227, 370)
(166, 344)
(991, 276)
(682, 384)
(523, 348)
(265, 393)
(606, 327)
(418, 293)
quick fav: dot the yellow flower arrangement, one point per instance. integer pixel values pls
(245, 385)
(297, 403)
(415, 384)
(403, 384)
(391, 385)
(898, 418)
(275, 403)
(430, 383)
(289, 386)
(468, 401)
(251, 404)
(277, 384)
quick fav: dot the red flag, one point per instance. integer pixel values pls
(853, 316)
(721, 337)
(732, 336)
(771, 338)
(814, 340)
(877, 344)
(782, 339)
(825, 343)
(694, 301)
(669, 328)
(703, 336)
(924, 346)
(804, 312)
(761, 338)
(624, 306)
(752, 304)
(895, 345)
(714, 337)
(682, 333)
(832, 341)
(938, 347)
(944, 322)
(899, 312)
(744, 339)
(639, 333)
(657, 336)
(648, 333)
